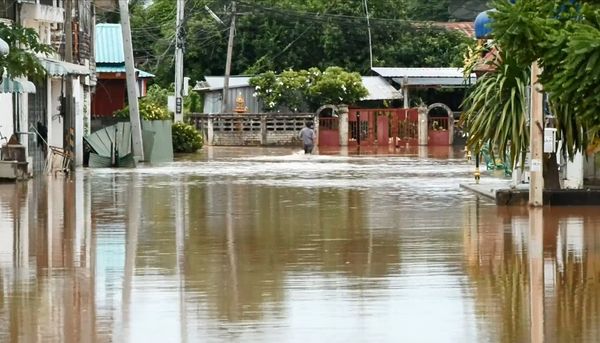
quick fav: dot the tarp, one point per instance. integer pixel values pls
(111, 146)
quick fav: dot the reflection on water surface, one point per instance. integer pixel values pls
(271, 245)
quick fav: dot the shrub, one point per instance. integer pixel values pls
(186, 138)
(149, 110)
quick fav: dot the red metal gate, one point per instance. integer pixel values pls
(408, 127)
(361, 127)
(329, 132)
(439, 132)
(383, 127)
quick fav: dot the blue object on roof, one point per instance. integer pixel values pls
(109, 44)
(482, 25)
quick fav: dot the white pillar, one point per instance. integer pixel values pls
(343, 124)
(209, 131)
(423, 131)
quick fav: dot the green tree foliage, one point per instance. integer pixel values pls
(282, 34)
(298, 89)
(564, 37)
(24, 44)
(336, 86)
(495, 111)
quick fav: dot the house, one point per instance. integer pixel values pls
(33, 111)
(411, 79)
(379, 89)
(111, 88)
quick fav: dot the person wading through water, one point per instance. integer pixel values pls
(307, 135)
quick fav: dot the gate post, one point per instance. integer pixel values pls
(263, 129)
(343, 124)
(209, 131)
(315, 120)
(423, 126)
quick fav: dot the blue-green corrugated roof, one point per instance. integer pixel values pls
(120, 68)
(109, 43)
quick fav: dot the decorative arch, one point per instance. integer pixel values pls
(443, 106)
(333, 108)
(440, 129)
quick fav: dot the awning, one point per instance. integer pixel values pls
(17, 85)
(61, 68)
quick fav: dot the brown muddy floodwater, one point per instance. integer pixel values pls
(269, 245)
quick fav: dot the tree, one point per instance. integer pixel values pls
(495, 110)
(284, 34)
(24, 44)
(312, 88)
(564, 36)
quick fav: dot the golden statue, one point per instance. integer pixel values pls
(240, 104)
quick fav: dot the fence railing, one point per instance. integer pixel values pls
(234, 122)
(251, 128)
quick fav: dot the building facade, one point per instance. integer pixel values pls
(111, 90)
(59, 105)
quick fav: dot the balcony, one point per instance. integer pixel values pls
(43, 10)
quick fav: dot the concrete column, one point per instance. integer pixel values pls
(263, 130)
(343, 124)
(423, 131)
(209, 131)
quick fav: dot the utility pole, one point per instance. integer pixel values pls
(69, 110)
(134, 111)
(536, 131)
(179, 42)
(369, 30)
(228, 63)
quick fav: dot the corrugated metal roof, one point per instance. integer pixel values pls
(109, 43)
(452, 77)
(419, 72)
(379, 89)
(217, 82)
(120, 68)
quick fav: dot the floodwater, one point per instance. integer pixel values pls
(269, 245)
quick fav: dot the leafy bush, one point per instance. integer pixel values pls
(337, 86)
(297, 89)
(149, 110)
(186, 138)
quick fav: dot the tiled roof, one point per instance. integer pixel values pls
(109, 43)
(466, 27)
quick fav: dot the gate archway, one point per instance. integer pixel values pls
(329, 126)
(440, 128)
